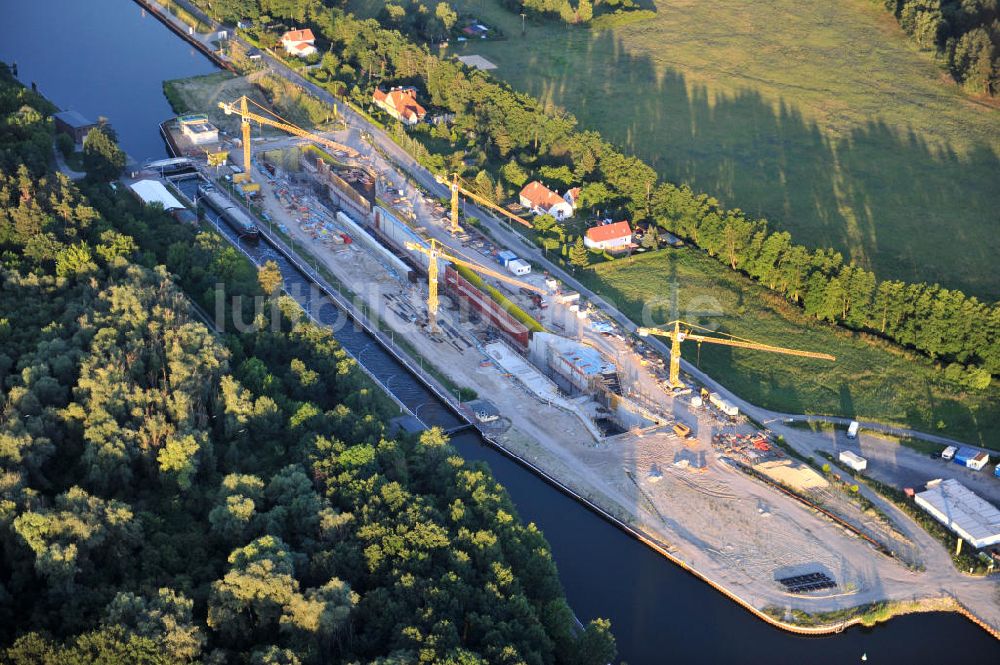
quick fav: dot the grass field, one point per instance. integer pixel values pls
(821, 116)
(870, 379)
(201, 94)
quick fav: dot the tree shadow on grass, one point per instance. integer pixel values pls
(883, 196)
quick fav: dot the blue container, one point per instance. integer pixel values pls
(964, 455)
(506, 257)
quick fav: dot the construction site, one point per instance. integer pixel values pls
(562, 385)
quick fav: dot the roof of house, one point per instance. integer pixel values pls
(73, 119)
(404, 100)
(573, 194)
(303, 46)
(540, 196)
(304, 35)
(609, 232)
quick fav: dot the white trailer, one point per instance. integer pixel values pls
(949, 452)
(518, 267)
(730, 410)
(853, 460)
(852, 429)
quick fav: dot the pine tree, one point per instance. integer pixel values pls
(578, 254)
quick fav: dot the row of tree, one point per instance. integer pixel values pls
(520, 136)
(172, 495)
(964, 33)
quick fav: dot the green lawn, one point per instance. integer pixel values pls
(869, 379)
(821, 116)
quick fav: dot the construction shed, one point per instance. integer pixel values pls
(973, 518)
(971, 458)
(73, 124)
(853, 460)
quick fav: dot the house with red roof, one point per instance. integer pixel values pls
(614, 237)
(541, 200)
(300, 43)
(401, 104)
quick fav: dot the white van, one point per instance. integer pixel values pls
(852, 429)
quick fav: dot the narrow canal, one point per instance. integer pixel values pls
(106, 58)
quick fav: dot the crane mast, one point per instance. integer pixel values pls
(457, 189)
(241, 108)
(677, 335)
(433, 253)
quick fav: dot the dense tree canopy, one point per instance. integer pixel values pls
(170, 494)
(964, 33)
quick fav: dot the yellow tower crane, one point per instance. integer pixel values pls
(434, 253)
(457, 189)
(678, 335)
(241, 108)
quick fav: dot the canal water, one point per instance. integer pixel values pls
(106, 58)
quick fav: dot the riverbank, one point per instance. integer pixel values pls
(563, 471)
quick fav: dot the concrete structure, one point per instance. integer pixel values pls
(153, 191)
(197, 129)
(73, 125)
(853, 460)
(468, 296)
(401, 104)
(382, 253)
(614, 237)
(299, 43)
(541, 200)
(977, 521)
(971, 458)
(580, 367)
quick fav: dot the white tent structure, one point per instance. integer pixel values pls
(153, 191)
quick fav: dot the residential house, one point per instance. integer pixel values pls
(614, 237)
(572, 196)
(401, 104)
(73, 124)
(299, 43)
(541, 200)
(245, 24)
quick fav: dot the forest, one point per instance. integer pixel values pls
(173, 494)
(965, 35)
(512, 137)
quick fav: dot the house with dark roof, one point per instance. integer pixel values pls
(614, 237)
(73, 124)
(401, 103)
(541, 200)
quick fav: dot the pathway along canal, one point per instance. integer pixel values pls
(104, 57)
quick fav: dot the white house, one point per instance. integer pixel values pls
(299, 43)
(572, 196)
(612, 237)
(541, 200)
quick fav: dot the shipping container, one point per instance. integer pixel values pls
(506, 257)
